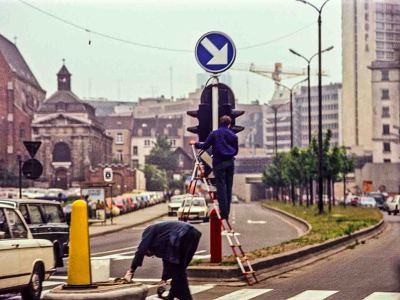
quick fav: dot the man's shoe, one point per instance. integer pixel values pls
(162, 291)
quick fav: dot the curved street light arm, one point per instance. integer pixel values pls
(298, 54)
(312, 5)
(320, 10)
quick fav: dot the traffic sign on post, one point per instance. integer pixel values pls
(108, 174)
(32, 147)
(32, 169)
(215, 52)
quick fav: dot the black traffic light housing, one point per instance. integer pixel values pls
(226, 105)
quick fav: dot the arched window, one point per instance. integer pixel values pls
(61, 152)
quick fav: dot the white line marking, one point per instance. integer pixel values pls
(256, 222)
(194, 289)
(383, 296)
(313, 294)
(52, 283)
(244, 294)
(205, 256)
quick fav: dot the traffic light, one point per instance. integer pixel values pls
(226, 109)
(203, 114)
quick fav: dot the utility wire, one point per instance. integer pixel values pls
(118, 39)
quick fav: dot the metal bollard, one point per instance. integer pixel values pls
(215, 237)
(79, 267)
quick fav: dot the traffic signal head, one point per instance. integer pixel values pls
(226, 109)
(203, 114)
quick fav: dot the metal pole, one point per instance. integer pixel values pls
(291, 118)
(215, 101)
(320, 150)
(20, 176)
(309, 129)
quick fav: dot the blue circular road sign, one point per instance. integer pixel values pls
(215, 52)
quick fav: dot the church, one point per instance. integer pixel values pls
(73, 140)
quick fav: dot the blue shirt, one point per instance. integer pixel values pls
(224, 144)
(162, 240)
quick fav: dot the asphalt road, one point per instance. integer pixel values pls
(369, 271)
(258, 227)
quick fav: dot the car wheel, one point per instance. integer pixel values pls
(34, 288)
(396, 211)
(57, 257)
(389, 212)
(206, 219)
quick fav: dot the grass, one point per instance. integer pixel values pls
(340, 222)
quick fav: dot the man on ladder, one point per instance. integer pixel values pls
(224, 143)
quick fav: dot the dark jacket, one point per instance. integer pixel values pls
(224, 144)
(162, 240)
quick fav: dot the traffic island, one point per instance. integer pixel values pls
(106, 291)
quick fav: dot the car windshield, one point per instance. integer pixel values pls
(195, 202)
(177, 199)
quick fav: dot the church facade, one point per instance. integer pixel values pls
(73, 141)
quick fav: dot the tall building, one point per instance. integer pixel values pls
(331, 114)
(370, 31)
(386, 121)
(20, 95)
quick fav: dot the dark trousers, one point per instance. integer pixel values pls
(177, 272)
(223, 173)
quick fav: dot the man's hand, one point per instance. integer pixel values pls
(192, 142)
(129, 275)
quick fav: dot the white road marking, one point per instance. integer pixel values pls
(48, 283)
(200, 251)
(194, 289)
(383, 296)
(256, 222)
(244, 294)
(205, 256)
(313, 294)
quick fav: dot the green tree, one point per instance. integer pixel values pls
(156, 179)
(162, 156)
(275, 174)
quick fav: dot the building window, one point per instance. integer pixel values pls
(135, 150)
(385, 94)
(22, 131)
(173, 143)
(135, 163)
(387, 160)
(386, 147)
(385, 112)
(147, 143)
(119, 138)
(385, 75)
(386, 129)
(119, 156)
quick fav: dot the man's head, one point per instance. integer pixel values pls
(225, 121)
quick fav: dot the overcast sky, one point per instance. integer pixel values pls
(122, 71)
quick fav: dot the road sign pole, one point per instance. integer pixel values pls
(215, 100)
(20, 176)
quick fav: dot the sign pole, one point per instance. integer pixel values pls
(215, 101)
(20, 176)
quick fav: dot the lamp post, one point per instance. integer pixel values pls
(309, 104)
(320, 150)
(275, 109)
(291, 106)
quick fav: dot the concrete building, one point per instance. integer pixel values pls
(145, 132)
(386, 104)
(73, 139)
(370, 30)
(20, 96)
(120, 129)
(331, 114)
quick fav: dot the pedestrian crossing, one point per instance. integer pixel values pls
(239, 293)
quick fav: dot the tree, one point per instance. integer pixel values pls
(274, 175)
(348, 165)
(162, 156)
(156, 179)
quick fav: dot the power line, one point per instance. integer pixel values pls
(118, 39)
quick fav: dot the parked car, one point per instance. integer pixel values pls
(193, 208)
(24, 262)
(379, 198)
(46, 220)
(34, 193)
(393, 205)
(120, 202)
(367, 201)
(175, 203)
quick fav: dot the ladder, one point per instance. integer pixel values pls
(199, 173)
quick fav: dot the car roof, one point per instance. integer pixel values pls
(25, 200)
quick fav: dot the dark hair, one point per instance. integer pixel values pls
(225, 121)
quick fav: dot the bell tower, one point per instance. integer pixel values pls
(64, 78)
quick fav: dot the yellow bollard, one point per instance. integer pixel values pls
(79, 268)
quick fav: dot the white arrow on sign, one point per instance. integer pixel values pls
(256, 222)
(220, 56)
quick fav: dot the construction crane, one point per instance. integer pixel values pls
(276, 73)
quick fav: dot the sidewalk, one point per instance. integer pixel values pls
(129, 220)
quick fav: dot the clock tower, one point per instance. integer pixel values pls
(64, 78)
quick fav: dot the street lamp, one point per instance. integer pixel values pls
(275, 109)
(320, 150)
(309, 104)
(291, 106)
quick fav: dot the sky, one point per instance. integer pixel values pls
(124, 71)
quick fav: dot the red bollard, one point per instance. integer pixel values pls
(215, 237)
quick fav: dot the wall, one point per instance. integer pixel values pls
(387, 174)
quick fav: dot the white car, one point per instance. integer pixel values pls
(193, 208)
(24, 262)
(367, 202)
(34, 193)
(393, 205)
(175, 203)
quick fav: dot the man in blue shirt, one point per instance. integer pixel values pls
(175, 243)
(224, 143)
